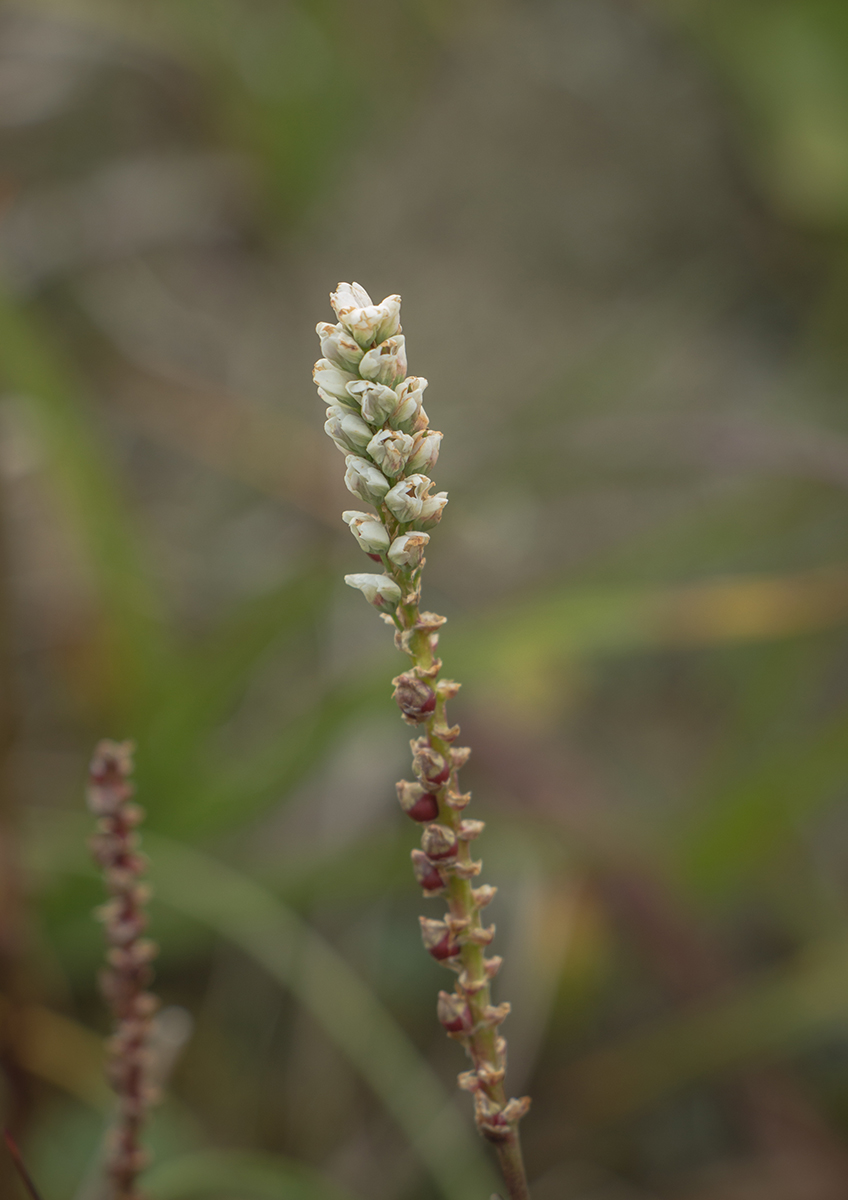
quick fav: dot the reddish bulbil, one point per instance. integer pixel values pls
(438, 939)
(415, 698)
(439, 842)
(424, 810)
(446, 948)
(436, 781)
(416, 803)
(454, 1013)
(426, 874)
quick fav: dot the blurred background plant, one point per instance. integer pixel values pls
(621, 232)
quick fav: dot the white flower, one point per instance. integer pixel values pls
(332, 401)
(365, 321)
(379, 590)
(364, 480)
(426, 451)
(408, 549)
(390, 450)
(347, 430)
(406, 499)
(409, 395)
(338, 346)
(432, 509)
(386, 363)
(332, 380)
(377, 402)
(368, 531)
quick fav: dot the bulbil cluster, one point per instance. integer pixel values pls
(376, 418)
(128, 973)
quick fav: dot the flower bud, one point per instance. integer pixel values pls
(348, 431)
(495, 1015)
(425, 453)
(338, 346)
(416, 803)
(390, 450)
(332, 381)
(406, 499)
(368, 531)
(437, 939)
(490, 1075)
(364, 480)
(516, 1109)
(415, 698)
(109, 786)
(426, 874)
(379, 590)
(454, 1013)
(432, 508)
(386, 363)
(377, 403)
(408, 549)
(438, 842)
(365, 321)
(431, 768)
(408, 407)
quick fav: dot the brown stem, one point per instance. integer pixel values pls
(125, 980)
(448, 868)
(13, 971)
(511, 1163)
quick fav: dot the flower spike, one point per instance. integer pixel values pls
(377, 419)
(127, 977)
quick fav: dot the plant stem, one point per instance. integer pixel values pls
(14, 984)
(124, 982)
(497, 1117)
(511, 1163)
(376, 419)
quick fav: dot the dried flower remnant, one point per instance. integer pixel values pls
(377, 420)
(128, 974)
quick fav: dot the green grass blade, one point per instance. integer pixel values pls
(252, 918)
(33, 369)
(759, 813)
(758, 1021)
(213, 674)
(224, 791)
(251, 1176)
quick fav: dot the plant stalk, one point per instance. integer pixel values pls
(377, 420)
(511, 1163)
(125, 981)
(485, 1048)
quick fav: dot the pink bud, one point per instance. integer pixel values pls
(430, 766)
(438, 842)
(454, 1013)
(438, 940)
(415, 698)
(416, 803)
(426, 874)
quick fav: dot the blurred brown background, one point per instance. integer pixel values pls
(620, 228)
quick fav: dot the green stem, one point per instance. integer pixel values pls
(485, 1047)
(511, 1163)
